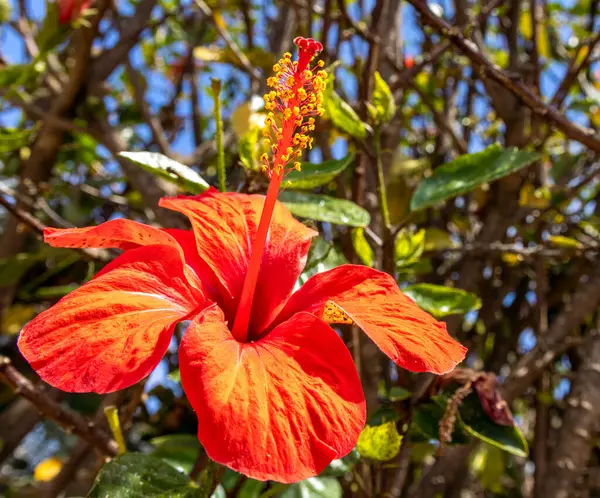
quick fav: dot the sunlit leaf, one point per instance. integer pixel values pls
(313, 175)
(533, 198)
(135, 475)
(47, 469)
(437, 239)
(314, 487)
(15, 317)
(383, 100)
(468, 172)
(342, 115)
(361, 246)
(409, 246)
(324, 208)
(12, 139)
(564, 242)
(442, 301)
(379, 442)
(175, 172)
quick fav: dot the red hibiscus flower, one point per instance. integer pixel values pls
(274, 387)
(69, 10)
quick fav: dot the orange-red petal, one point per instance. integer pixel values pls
(119, 233)
(126, 234)
(112, 331)
(281, 408)
(225, 225)
(411, 337)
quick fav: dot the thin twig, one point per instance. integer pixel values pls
(585, 136)
(71, 421)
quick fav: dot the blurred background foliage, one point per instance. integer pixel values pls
(458, 152)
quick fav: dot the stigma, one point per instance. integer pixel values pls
(295, 98)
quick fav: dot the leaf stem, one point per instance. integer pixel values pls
(381, 190)
(216, 91)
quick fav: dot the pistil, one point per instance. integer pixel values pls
(296, 96)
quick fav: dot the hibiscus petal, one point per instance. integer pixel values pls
(119, 233)
(112, 331)
(281, 408)
(225, 225)
(372, 300)
(187, 243)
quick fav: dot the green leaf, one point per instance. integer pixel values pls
(324, 208)
(341, 466)
(314, 175)
(179, 450)
(379, 442)
(342, 115)
(468, 172)
(19, 74)
(135, 475)
(159, 165)
(322, 256)
(14, 267)
(363, 250)
(5, 11)
(477, 423)
(251, 489)
(564, 242)
(409, 247)
(314, 487)
(384, 414)
(427, 421)
(383, 100)
(12, 139)
(398, 393)
(442, 301)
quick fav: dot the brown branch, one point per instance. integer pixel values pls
(407, 75)
(231, 43)
(576, 437)
(584, 301)
(71, 421)
(490, 70)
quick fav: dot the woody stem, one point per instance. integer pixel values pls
(242, 316)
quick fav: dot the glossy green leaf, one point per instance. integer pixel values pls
(314, 175)
(322, 256)
(409, 247)
(342, 115)
(159, 165)
(135, 475)
(324, 208)
(426, 419)
(440, 300)
(468, 172)
(383, 100)
(362, 248)
(179, 450)
(314, 487)
(477, 423)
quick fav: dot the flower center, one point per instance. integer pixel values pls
(295, 98)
